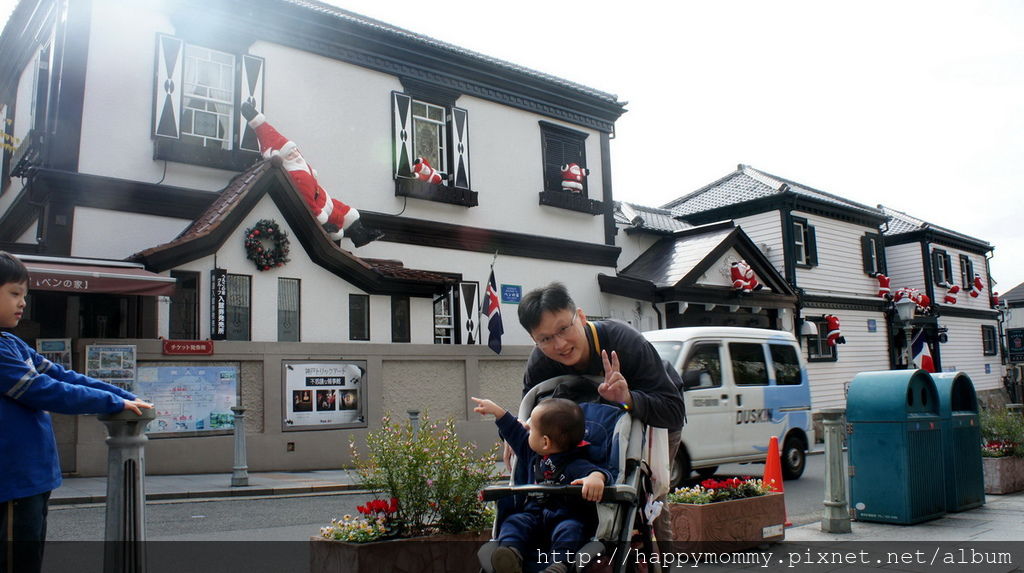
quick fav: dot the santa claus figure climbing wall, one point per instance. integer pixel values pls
(337, 218)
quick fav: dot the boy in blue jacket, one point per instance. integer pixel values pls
(552, 446)
(30, 386)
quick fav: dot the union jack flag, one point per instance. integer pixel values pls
(492, 309)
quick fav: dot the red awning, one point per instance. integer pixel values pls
(97, 279)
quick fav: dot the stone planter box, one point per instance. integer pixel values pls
(734, 525)
(1003, 475)
(431, 554)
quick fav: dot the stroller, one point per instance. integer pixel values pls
(617, 442)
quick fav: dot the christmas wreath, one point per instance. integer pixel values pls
(257, 239)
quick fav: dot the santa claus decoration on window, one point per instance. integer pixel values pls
(835, 335)
(922, 300)
(743, 277)
(338, 219)
(951, 294)
(573, 176)
(976, 286)
(424, 172)
(883, 285)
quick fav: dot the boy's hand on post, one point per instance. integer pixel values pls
(136, 406)
(484, 406)
(593, 486)
(614, 388)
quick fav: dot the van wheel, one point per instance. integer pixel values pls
(681, 470)
(707, 473)
(794, 458)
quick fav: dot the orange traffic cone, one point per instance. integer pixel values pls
(773, 470)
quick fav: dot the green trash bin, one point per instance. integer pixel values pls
(961, 441)
(895, 444)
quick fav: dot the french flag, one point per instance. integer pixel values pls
(492, 309)
(922, 354)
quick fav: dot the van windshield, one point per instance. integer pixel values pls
(668, 349)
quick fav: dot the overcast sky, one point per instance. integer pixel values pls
(916, 105)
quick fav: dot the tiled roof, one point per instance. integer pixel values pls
(438, 44)
(1016, 294)
(900, 223)
(235, 194)
(747, 184)
(647, 218)
(667, 262)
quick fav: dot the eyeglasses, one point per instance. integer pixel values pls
(547, 341)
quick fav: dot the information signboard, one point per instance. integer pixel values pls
(193, 397)
(1015, 344)
(324, 394)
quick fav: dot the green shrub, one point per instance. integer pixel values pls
(1002, 433)
(434, 476)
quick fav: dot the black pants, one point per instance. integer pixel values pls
(29, 533)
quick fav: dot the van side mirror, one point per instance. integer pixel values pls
(696, 379)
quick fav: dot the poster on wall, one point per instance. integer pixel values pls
(112, 363)
(189, 397)
(56, 350)
(324, 394)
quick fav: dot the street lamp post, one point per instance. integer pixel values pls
(905, 313)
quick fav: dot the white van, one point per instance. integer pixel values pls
(742, 386)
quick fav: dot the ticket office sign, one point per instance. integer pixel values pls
(323, 395)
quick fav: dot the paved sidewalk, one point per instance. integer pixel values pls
(158, 487)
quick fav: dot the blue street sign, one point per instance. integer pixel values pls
(511, 293)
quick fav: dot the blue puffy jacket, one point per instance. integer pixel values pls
(30, 387)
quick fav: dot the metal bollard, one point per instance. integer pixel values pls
(414, 419)
(836, 516)
(125, 532)
(240, 473)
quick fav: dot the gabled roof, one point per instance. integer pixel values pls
(218, 223)
(647, 219)
(749, 184)
(1016, 294)
(901, 223)
(678, 261)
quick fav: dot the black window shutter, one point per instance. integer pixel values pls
(167, 89)
(949, 268)
(812, 246)
(460, 148)
(867, 253)
(969, 278)
(401, 127)
(251, 83)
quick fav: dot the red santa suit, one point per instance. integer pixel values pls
(335, 216)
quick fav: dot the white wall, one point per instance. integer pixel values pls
(840, 268)
(905, 265)
(964, 352)
(323, 295)
(765, 229)
(864, 351)
(633, 245)
(117, 235)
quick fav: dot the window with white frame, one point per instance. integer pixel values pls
(428, 121)
(805, 250)
(966, 272)
(942, 268)
(818, 348)
(197, 94)
(444, 319)
(209, 96)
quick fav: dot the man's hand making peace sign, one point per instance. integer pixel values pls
(614, 388)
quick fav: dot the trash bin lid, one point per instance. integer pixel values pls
(891, 396)
(956, 393)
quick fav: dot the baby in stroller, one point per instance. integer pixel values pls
(552, 447)
(617, 449)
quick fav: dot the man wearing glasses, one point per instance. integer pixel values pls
(635, 377)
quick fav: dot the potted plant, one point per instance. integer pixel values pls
(1002, 450)
(427, 516)
(727, 515)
